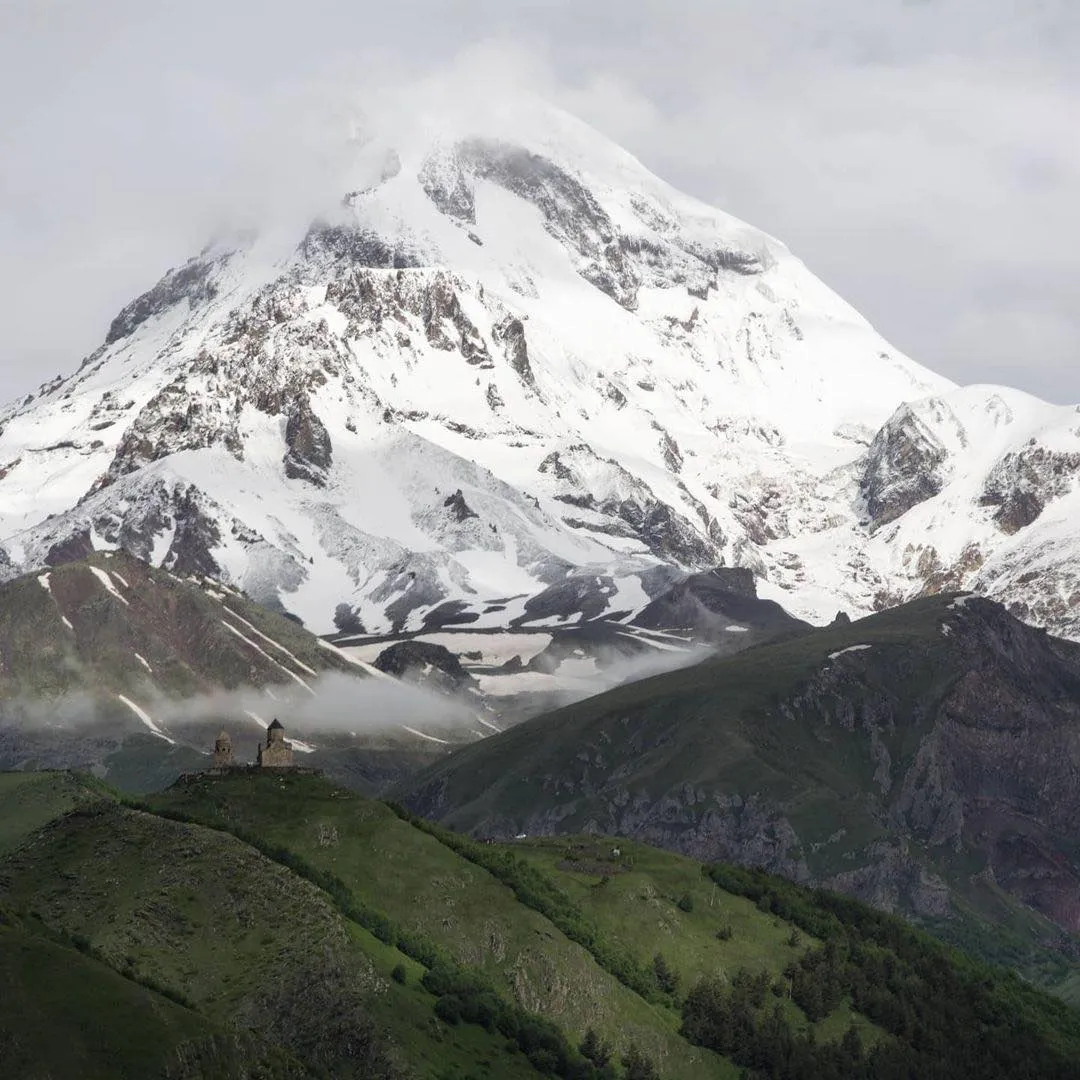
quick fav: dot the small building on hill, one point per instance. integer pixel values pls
(275, 753)
(223, 752)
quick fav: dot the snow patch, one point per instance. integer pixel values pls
(370, 669)
(420, 734)
(850, 648)
(145, 718)
(269, 640)
(108, 583)
(262, 652)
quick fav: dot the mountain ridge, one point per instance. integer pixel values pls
(921, 759)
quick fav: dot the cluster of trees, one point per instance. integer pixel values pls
(743, 1021)
(466, 996)
(637, 1065)
(950, 1017)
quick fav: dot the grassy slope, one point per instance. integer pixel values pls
(205, 915)
(65, 1014)
(422, 884)
(30, 800)
(634, 899)
(728, 740)
(176, 625)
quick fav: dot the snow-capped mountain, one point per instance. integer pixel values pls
(513, 378)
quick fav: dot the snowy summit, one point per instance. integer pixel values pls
(509, 378)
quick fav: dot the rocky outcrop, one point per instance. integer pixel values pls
(510, 334)
(192, 282)
(901, 468)
(354, 246)
(195, 538)
(716, 604)
(444, 183)
(459, 509)
(571, 213)
(310, 452)
(424, 664)
(1022, 483)
(583, 595)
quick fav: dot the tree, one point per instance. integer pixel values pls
(638, 1066)
(594, 1049)
(666, 979)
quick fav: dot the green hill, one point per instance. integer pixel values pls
(280, 921)
(66, 1014)
(922, 760)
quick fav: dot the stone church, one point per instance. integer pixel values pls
(275, 753)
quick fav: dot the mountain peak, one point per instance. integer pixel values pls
(616, 379)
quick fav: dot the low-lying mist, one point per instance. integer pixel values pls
(336, 705)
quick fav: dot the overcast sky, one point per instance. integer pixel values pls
(922, 156)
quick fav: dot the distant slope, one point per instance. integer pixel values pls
(357, 941)
(521, 671)
(922, 759)
(111, 664)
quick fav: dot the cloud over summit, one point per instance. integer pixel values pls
(919, 155)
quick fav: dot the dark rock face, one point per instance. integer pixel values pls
(191, 282)
(581, 594)
(664, 532)
(418, 584)
(901, 468)
(175, 420)
(310, 453)
(355, 246)
(432, 666)
(347, 620)
(449, 613)
(448, 189)
(71, 549)
(1021, 484)
(442, 307)
(510, 333)
(458, 507)
(571, 214)
(708, 603)
(194, 540)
